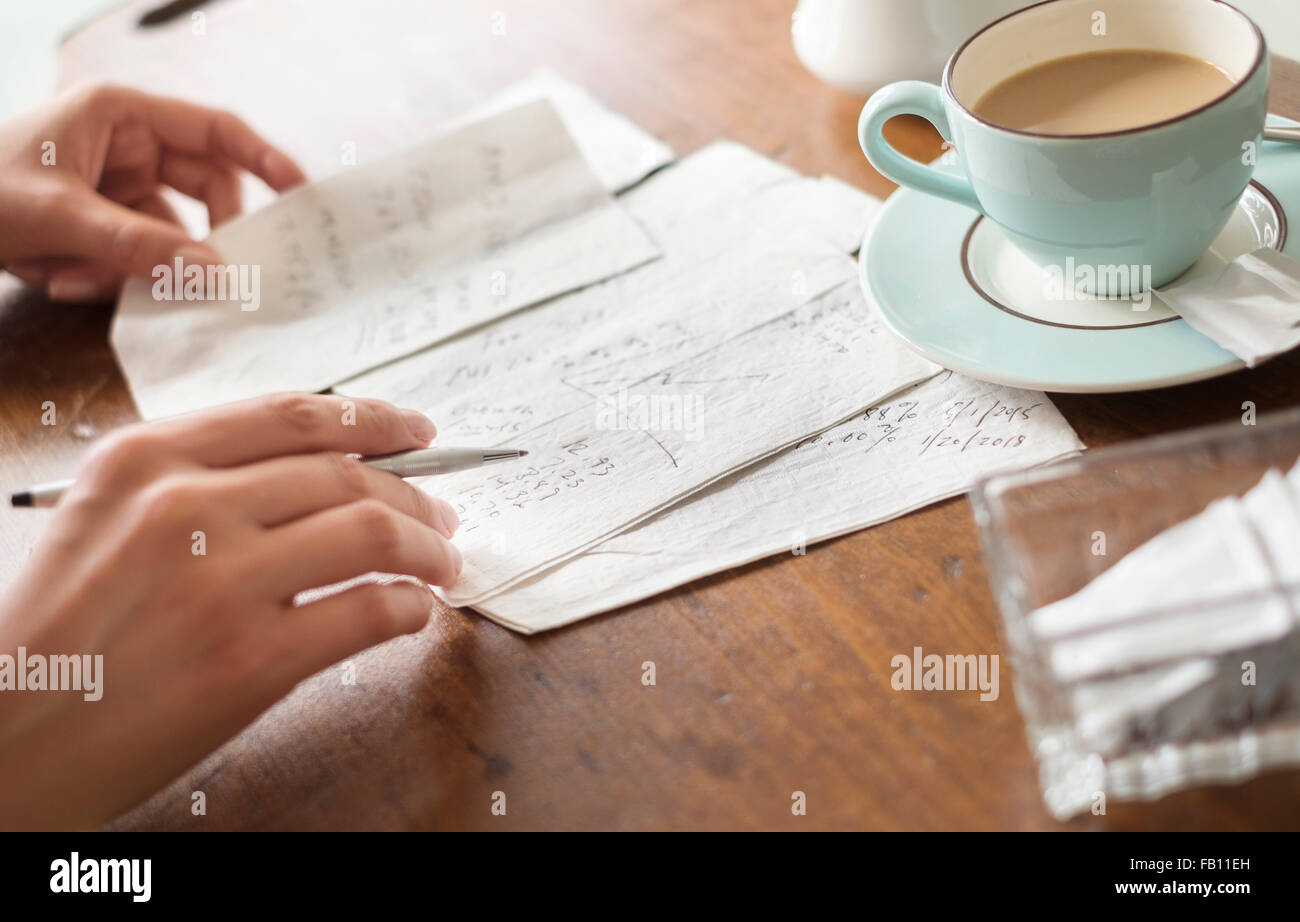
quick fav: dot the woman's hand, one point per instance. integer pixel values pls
(176, 556)
(81, 181)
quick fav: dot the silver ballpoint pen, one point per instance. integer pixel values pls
(423, 462)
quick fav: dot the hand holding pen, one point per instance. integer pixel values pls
(177, 555)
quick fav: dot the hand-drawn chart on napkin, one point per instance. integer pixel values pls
(922, 445)
(381, 260)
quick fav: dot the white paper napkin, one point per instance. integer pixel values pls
(1251, 307)
(1209, 585)
(1150, 650)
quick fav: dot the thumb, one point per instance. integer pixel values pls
(129, 241)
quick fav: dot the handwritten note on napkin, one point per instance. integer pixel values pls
(382, 260)
(723, 218)
(746, 337)
(614, 441)
(920, 446)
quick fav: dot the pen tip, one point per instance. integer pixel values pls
(522, 452)
(22, 498)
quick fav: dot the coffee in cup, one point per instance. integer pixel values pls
(1103, 91)
(1115, 137)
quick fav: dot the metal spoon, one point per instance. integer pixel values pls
(1279, 133)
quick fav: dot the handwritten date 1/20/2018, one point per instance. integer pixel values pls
(981, 415)
(977, 439)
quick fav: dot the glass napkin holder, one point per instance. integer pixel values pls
(1050, 531)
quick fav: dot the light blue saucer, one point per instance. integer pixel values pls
(952, 288)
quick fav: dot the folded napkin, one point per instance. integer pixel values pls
(1151, 650)
(1206, 586)
(1251, 307)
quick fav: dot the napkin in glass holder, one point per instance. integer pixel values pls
(1213, 702)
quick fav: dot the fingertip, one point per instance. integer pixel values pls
(393, 606)
(457, 562)
(421, 599)
(281, 173)
(198, 254)
(448, 520)
(420, 426)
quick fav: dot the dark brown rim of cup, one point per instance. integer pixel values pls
(952, 62)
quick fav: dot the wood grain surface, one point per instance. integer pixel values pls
(772, 678)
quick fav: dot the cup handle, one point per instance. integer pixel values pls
(911, 97)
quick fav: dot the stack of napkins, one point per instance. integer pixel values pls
(1153, 648)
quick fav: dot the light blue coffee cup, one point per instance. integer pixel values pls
(1153, 197)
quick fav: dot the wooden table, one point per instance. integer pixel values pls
(771, 678)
